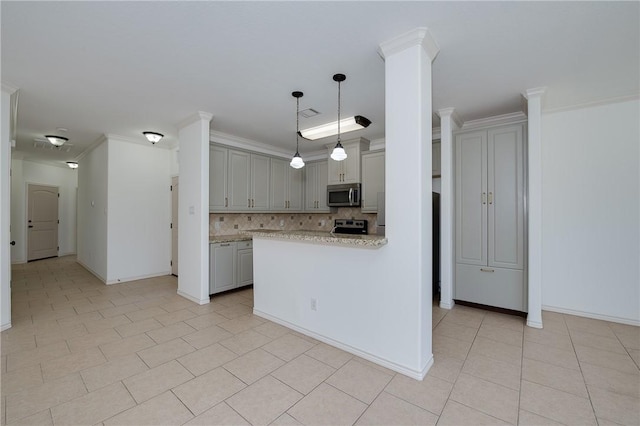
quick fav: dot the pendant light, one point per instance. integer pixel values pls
(338, 153)
(296, 161)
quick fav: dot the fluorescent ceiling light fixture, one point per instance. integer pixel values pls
(347, 125)
(72, 164)
(153, 137)
(56, 140)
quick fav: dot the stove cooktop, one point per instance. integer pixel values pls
(351, 226)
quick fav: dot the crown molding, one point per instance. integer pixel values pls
(535, 92)
(417, 37)
(452, 113)
(53, 163)
(260, 147)
(102, 139)
(9, 88)
(608, 101)
(511, 118)
(137, 141)
(196, 116)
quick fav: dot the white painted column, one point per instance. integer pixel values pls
(448, 123)
(534, 111)
(5, 208)
(408, 130)
(193, 206)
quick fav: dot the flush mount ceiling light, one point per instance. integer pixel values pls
(346, 125)
(338, 153)
(153, 137)
(296, 161)
(72, 164)
(56, 140)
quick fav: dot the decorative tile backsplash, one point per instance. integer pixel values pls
(232, 223)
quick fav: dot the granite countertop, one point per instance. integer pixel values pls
(321, 237)
(229, 238)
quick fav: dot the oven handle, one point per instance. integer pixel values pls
(350, 196)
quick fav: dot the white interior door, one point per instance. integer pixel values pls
(174, 225)
(42, 221)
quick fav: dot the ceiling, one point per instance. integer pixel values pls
(121, 68)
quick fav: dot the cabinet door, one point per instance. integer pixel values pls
(222, 267)
(260, 187)
(321, 189)
(295, 188)
(435, 160)
(372, 180)
(239, 180)
(351, 165)
(335, 171)
(278, 184)
(471, 198)
(505, 197)
(217, 178)
(310, 186)
(245, 267)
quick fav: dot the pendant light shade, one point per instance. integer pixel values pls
(339, 153)
(296, 161)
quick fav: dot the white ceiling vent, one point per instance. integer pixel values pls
(308, 113)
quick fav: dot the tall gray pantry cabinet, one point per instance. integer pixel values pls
(490, 242)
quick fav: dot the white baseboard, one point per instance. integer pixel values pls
(194, 299)
(97, 275)
(591, 315)
(139, 277)
(414, 374)
(447, 305)
(534, 324)
(6, 326)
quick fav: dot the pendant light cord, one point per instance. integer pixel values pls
(297, 123)
(339, 112)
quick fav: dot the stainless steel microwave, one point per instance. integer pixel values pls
(343, 195)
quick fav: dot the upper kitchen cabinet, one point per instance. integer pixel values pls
(286, 186)
(348, 170)
(372, 180)
(490, 217)
(316, 187)
(435, 159)
(218, 198)
(238, 180)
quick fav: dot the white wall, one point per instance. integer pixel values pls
(139, 214)
(66, 179)
(92, 211)
(5, 189)
(591, 211)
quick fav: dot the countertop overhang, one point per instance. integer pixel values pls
(320, 237)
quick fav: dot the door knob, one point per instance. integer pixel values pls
(30, 226)
(13, 243)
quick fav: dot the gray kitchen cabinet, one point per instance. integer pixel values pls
(316, 187)
(348, 170)
(222, 267)
(230, 265)
(372, 180)
(286, 186)
(245, 263)
(218, 198)
(248, 181)
(490, 217)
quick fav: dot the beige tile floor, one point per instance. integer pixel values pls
(136, 353)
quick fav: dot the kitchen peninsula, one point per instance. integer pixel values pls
(314, 282)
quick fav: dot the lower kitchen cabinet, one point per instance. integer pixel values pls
(230, 265)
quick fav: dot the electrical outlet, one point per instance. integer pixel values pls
(217, 225)
(322, 222)
(314, 304)
(281, 222)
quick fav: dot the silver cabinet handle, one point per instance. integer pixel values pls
(225, 245)
(484, 198)
(491, 198)
(248, 202)
(253, 202)
(226, 202)
(487, 270)
(350, 196)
